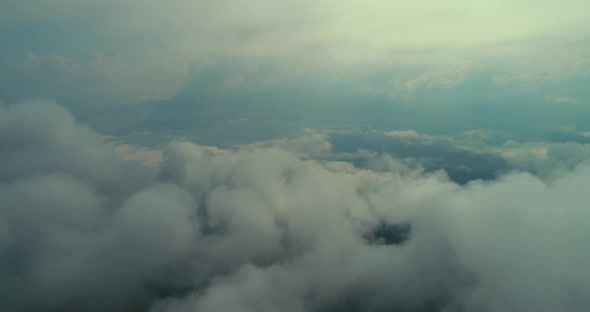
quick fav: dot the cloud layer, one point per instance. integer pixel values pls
(264, 230)
(131, 51)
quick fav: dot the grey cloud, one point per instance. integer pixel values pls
(88, 83)
(467, 156)
(42, 138)
(430, 152)
(264, 230)
(277, 102)
(546, 160)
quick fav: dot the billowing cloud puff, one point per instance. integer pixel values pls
(263, 230)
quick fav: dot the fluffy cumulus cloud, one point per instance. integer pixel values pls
(263, 229)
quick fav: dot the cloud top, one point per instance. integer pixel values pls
(263, 230)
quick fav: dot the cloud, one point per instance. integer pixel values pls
(311, 144)
(263, 230)
(148, 157)
(401, 133)
(95, 78)
(561, 99)
(425, 43)
(464, 190)
(546, 160)
(42, 138)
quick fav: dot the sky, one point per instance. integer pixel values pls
(200, 155)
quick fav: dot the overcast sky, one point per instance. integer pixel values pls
(262, 155)
(417, 59)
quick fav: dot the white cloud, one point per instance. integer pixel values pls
(401, 133)
(561, 99)
(261, 230)
(146, 156)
